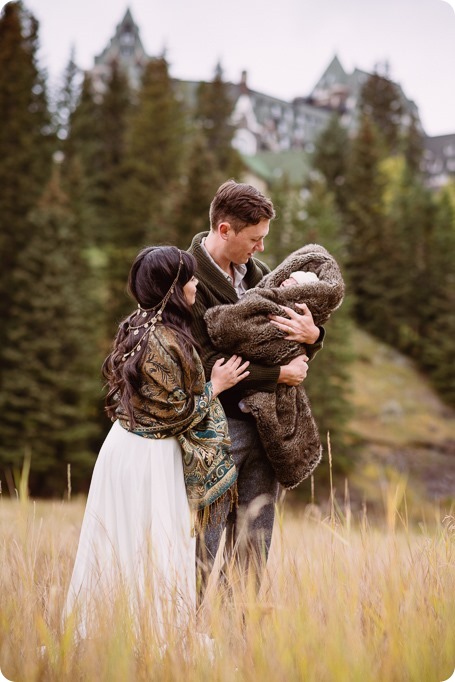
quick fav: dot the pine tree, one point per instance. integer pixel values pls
(410, 213)
(413, 146)
(328, 381)
(26, 143)
(154, 153)
(143, 146)
(95, 180)
(285, 230)
(380, 100)
(115, 110)
(51, 387)
(331, 158)
(213, 111)
(202, 180)
(83, 164)
(438, 303)
(364, 224)
(67, 97)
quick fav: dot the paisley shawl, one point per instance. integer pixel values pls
(175, 400)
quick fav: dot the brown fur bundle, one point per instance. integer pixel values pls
(284, 420)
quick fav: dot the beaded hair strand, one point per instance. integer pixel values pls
(149, 325)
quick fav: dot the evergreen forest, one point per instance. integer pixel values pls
(87, 180)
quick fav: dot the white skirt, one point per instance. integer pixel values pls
(136, 536)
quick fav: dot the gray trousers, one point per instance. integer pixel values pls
(249, 525)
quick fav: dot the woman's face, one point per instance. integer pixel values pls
(189, 290)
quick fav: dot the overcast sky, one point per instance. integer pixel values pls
(283, 45)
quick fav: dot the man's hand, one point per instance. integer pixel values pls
(295, 372)
(299, 328)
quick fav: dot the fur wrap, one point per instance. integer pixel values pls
(284, 420)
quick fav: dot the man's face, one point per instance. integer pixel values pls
(240, 247)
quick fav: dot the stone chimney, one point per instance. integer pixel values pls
(243, 82)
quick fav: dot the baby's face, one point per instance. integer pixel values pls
(289, 282)
(303, 278)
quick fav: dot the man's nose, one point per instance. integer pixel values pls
(259, 246)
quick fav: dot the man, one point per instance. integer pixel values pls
(240, 218)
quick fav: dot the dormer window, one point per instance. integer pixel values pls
(127, 43)
(127, 38)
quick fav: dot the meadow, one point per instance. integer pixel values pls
(346, 598)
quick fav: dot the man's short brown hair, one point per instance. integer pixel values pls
(239, 205)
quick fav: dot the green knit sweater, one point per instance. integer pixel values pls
(215, 289)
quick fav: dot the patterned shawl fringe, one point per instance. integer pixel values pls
(212, 513)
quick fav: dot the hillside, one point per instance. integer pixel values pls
(406, 432)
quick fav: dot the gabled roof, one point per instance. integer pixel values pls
(441, 145)
(333, 73)
(128, 18)
(358, 78)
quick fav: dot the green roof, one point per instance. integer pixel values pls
(294, 164)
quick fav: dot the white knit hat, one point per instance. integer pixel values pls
(302, 277)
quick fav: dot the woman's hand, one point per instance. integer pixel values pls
(299, 328)
(227, 373)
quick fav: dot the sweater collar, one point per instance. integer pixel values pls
(253, 272)
(238, 270)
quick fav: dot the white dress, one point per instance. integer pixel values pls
(136, 537)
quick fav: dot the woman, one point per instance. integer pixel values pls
(165, 462)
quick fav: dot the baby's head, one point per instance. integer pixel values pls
(300, 277)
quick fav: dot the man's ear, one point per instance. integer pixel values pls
(224, 229)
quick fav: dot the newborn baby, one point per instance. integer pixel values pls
(300, 277)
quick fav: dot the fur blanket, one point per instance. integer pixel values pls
(284, 420)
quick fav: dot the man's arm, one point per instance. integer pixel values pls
(261, 378)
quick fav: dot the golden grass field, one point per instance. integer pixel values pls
(345, 598)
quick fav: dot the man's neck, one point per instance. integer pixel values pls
(215, 249)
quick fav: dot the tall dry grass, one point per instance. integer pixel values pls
(343, 599)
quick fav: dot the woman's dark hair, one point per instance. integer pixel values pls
(151, 276)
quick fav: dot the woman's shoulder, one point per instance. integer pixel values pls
(165, 342)
(163, 337)
(162, 351)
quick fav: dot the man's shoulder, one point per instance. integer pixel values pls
(256, 270)
(210, 275)
(263, 267)
(206, 270)
(204, 265)
(196, 243)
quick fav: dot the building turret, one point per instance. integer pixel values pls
(125, 50)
